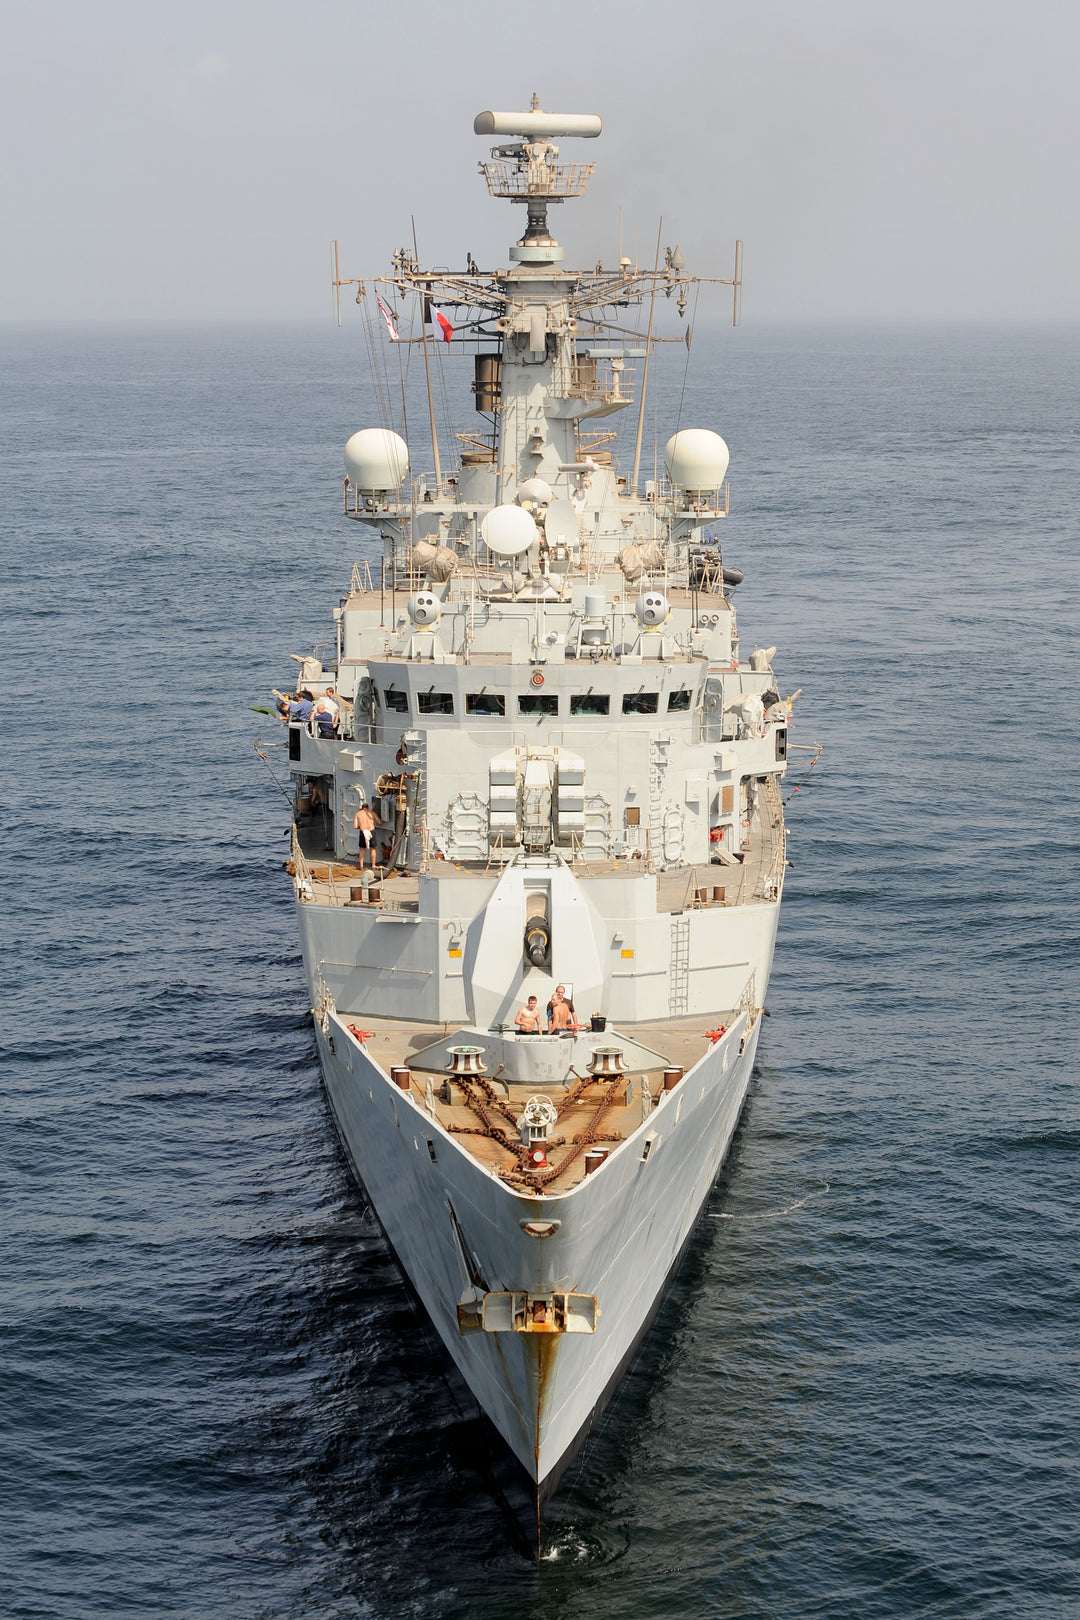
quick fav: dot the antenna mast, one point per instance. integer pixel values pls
(645, 367)
(426, 299)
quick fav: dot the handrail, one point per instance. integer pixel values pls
(302, 879)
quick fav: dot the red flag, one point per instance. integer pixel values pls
(389, 319)
(442, 323)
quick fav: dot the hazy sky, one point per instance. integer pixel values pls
(881, 161)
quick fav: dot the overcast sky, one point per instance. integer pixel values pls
(896, 162)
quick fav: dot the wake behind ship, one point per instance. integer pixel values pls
(537, 788)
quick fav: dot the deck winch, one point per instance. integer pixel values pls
(466, 1059)
(607, 1062)
(536, 1125)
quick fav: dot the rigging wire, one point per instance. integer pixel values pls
(258, 745)
(403, 380)
(374, 356)
(444, 394)
(686, 366)
(797, 787)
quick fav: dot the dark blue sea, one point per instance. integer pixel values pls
(862, 1399)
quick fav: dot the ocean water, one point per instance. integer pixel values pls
(861, 1399)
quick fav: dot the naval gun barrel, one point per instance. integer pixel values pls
(537, 939)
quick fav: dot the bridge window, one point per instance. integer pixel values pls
(396, 702)
(589, 703)
(485, 703)
(678, 701)
(640, 702)
(538, 703)
(435, 702)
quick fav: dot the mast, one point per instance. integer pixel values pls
(424, 303)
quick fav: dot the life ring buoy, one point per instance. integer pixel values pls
(537, 678)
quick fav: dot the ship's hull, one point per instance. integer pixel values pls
(456, 1231)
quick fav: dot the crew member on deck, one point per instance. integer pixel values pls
(365, 821)
(560, 1012)
(528, 1018)
(326, 715)
(297, 708)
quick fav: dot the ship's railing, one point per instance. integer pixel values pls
(595, 862)
(305, 876)
(302, 880)
(775, 876)
(748, 1000)
(714, 503)
(535, 178)
(760, 876)
(421, 491)
(599, 379)
(361, 583)
(588, 561)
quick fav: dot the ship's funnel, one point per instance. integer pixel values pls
(537, 126)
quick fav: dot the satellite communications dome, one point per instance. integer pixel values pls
(696, 460)
(376, 460)
(535, 490)
(508, 531)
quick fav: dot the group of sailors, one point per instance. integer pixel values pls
(321, 715)
(561, 1017)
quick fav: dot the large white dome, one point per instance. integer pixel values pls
(376, 460)
(535, 490)
(696, 459)
(508, 531)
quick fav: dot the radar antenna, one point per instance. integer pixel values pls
(527, 171)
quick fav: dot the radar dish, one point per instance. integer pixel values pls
(561, 524)
(508, 531)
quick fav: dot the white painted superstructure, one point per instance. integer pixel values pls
(576, 777)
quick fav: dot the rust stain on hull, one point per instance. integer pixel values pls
(545, 1348)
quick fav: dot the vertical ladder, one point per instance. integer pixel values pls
(679, 972)
(657, 767)
(416, 746)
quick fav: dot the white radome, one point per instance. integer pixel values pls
(376, 460)
(561, 524)
(696, 459)
(508, 531)
(535, 490)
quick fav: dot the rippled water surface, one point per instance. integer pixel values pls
(862, 1398)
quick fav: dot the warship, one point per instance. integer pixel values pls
(538, 844)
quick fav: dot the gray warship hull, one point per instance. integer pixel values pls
(538, 847)
(620, 1238)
